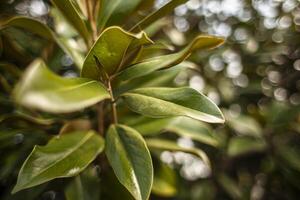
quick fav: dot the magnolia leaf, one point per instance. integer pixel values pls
(230, 186)
(194, 129)
(37, 27)
(164, 183)
(147, 66)
(149, 126)
(163, 144)
(130, 159)
(114, 12)
(158, 14)
(29, 24)
(162, 102)
(63, 156)
(110, 50)
(41, 89)
(161, 78)
(243, 145)
(68, 9)
(244, 125)
(85, 186)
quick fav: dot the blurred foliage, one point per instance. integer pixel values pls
(254, 78)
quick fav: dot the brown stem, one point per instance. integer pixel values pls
(91, 18)
(113, 104)
(100, 110)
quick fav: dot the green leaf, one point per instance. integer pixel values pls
(41, 89)
(28, 24)
(169, 102)
(164, 183)
(147, 66)
(149, 126)
(116, 11)
(158, 14)
(130, 159)
(243, 145)
(85, 186)
(110, 49)
(193, 129)
(63, 156)
(161, 78)
(163, 144)
(68, 9)
(244, 125)
(230, 186)
(37, 27)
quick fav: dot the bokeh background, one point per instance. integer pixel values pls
(254, 77)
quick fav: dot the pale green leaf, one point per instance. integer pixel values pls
(158, 14)
(194, 129)
(68, 9)
(147, 66)
(163, 144)
(63, 156)
(244, 125)
(169, 102)
(42, 89)
(130, 159)
(110, 49)
(164, 183)
(243, 145)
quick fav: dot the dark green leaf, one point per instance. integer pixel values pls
(28, 24)
(41, 89)
(170, 102)
(130, 159)
(63, 156)
(110, 49)
(152, 64)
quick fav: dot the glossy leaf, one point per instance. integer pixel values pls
(161, 78)
(130, 159)
(113, 12)
(110, 50)
(85, 186)
(169, 102)
(158, 14)
(68, 9)
(194, 129)
(41, 89)
(163, 144)
(147, 66)
(63, 156)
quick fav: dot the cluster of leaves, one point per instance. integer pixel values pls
(100, 127)
(258, 156)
